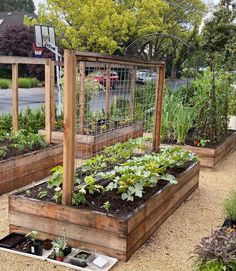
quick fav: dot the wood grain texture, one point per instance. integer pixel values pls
(25, 169)
(69, 125)
(15, 101)
(113, 235)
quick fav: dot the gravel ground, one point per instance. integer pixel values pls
(170, 247)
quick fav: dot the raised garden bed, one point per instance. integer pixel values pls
(87, 145)
(210, 156)
(115, 235)
(24, 169)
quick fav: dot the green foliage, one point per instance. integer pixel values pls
(56, 179)
(22, 139)
(30, 120)
(4, 83)
(33, 235)
(27, 82)
(57, 195)
(211, 112)
(12, 5)
(177, 119)
(130, 178)
(106, 205)
(230, 206)
(42, 194)
(3, 151)
(213, 265)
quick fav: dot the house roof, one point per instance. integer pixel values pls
(8, 19)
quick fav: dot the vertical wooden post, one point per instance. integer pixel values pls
(158, 108)
(132, 93)
(48, 127)
(15, 108)
(52, 103)
(108, 89)
(81, 97)
(69, 125)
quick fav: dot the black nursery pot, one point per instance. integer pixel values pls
(67, 251)
(229, 223)
(37, 248)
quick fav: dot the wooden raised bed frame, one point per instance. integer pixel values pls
(87, 145)
(31, 167)
(210, 157)
(115, 236)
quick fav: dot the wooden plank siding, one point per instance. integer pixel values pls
(31, 167)
(115, 236)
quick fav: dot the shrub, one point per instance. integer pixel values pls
(4, 83)
(24, 83)
(230, 206)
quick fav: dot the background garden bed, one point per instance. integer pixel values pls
(87, 145)
(110, 234)
(24, 169)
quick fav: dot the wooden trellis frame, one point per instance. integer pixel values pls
(70, 62)
(49, 90)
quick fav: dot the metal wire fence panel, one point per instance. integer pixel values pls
(116, 108)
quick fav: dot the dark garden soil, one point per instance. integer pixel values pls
(118, 206)
(13, 152)
(191, 141)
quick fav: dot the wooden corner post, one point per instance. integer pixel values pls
(158, 108)
(48, 94)
(81, 96)
(15, 113)
(69, 125)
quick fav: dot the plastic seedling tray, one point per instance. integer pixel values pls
(11, 240)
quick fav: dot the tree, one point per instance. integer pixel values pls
(12, 5)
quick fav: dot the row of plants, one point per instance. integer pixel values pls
(196, 116)
(31, 120)
(126, 178)
(22, 83)
(217, 252)
(20, 142)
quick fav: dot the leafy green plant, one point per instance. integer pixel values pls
(230, 206)
(57, 195)
(106, 205)
(42, 194)
(33, 235)
(4, 83)
(213, 265)
(3, 151)
(56, 179)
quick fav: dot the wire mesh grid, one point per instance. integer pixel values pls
(115, 106)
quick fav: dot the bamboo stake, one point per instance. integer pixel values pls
(69, 126)
(15, 97)
(158, 108)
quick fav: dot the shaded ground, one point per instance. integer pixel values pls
(170, 247)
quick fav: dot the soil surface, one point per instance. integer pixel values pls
(192, 142)
(13, 152)
(118, 206)
(171, 246)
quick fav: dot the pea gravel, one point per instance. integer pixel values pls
(169, 249)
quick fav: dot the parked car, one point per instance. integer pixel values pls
(143, 76)
(101, 77)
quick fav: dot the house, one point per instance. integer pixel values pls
(8, 19)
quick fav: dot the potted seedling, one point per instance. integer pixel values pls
(60, 248)
(36, 246)
(230, 210)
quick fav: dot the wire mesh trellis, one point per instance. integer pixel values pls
(116, 101)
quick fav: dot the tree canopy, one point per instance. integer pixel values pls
(219, 35)
(22, 5)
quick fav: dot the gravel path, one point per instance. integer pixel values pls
(170, 247)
